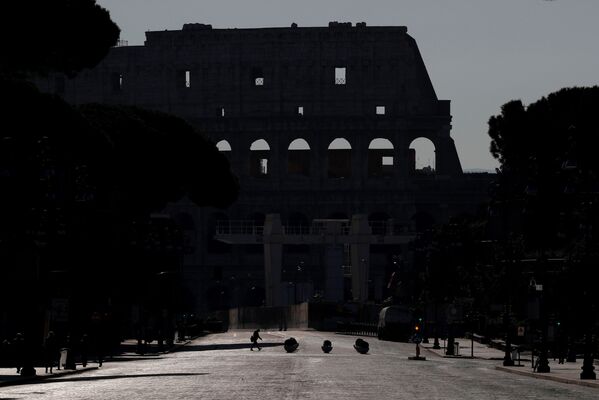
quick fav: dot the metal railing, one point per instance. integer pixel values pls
(240, 227)
(318, 227)
(357, 328)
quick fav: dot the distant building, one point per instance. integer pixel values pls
(317, 124)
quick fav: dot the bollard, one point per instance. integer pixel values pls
(418, 357)
(327, 346)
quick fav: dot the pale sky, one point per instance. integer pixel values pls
(479, 53)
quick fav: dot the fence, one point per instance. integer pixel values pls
(357, 328)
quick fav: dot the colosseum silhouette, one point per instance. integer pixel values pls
(318, 124)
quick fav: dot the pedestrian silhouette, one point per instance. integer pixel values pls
(70, 348)
(254, 339)
(51, 353)
(18, 345)
(84, 349)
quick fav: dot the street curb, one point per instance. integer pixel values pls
(432, 352)
(177, 347)
(547, 377)
(446, 356)
(37, 378)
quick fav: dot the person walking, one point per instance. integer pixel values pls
(18, 345)
(254, 339)
(50, 351)
(84, 349)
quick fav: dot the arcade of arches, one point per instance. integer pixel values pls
(381, 158)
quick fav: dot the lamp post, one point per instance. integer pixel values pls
(583, 184)
(507, 358)
(298, 270)
(543, 363)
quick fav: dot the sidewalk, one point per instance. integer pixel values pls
(480, 351)
(9, 376)
(565, 373)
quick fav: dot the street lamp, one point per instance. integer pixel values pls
(543, 362)
(299, 270)
(583, 185)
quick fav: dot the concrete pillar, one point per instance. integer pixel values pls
(273, 253)
(360, 235)
(359, 161)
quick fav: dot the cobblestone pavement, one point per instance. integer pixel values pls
(223, 367)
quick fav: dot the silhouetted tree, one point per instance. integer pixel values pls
(547, 153)
(41, 36)
(548, 189)
(75, 183)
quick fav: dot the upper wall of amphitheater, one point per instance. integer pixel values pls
(200, 72)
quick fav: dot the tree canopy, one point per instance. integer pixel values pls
(42, 36)
(548, 161)
(535, 141)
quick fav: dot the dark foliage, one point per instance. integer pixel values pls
(158, 158)
(549, 168)
(548, 190)
(43, 36)
(78, 187)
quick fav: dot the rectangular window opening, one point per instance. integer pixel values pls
(221, 112)
(257, 76)
(300, 110)
(387, 160)
(117, 81)
(264, 166)
(340, 78)
(187, 79)
(380, 110)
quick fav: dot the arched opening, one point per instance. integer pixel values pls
(298, 158)
(218, 296)
(378, 222)
(299, 220)
(259, 157)
(380, 157)
(422, 156)
(223, 145)
(297, 224)
(184, 221)
(216, 221)
(186, 225)
(339, 159)
(254, 296)
(258, 218)
(422, 221)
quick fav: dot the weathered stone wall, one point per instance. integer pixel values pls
(243, 85)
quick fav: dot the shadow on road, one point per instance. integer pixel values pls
(132, 358)
(108, 377)
(224, 346)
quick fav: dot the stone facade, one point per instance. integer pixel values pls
(316, 122)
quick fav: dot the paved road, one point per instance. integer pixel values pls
(222, 367)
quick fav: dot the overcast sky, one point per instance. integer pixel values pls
(479, 53)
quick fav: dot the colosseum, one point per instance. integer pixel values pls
(320, 126)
